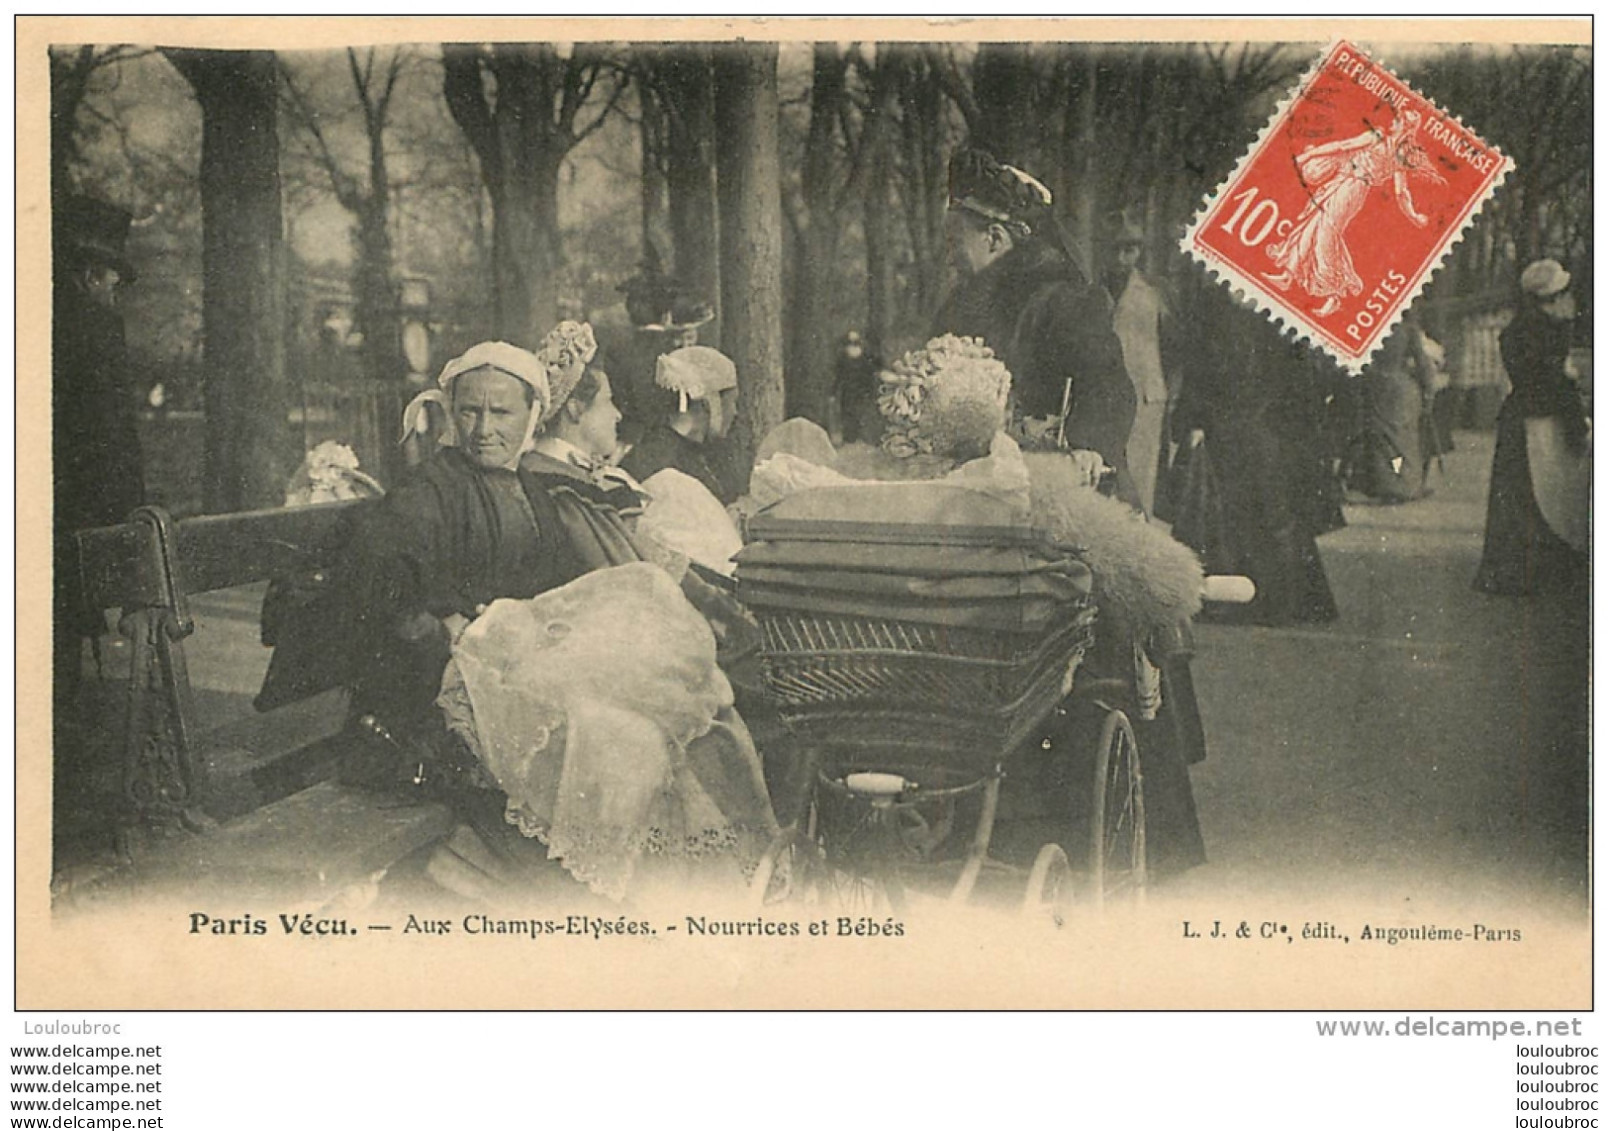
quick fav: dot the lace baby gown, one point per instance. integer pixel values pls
(598, 709)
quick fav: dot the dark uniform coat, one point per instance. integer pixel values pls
(1048, 324)
(96, 446)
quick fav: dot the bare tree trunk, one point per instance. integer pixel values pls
(526, 255)
(926, 192)
(377, 312)
(249, 453)
(1086, 134)
(377, 293)
(879, 282)
(810, 352)
(684, 77)
(655, 189)
(521, 127)
(750, 238)
(546, 250)
(879, 217)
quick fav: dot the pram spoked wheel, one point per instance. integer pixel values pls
(795, 868)
(1117, 814)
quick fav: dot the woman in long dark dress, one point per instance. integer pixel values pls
(1524, 552)
(1389, 456)
(1254, 399)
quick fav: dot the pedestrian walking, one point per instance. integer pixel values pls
(1537, 520)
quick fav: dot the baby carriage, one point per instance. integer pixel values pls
(918, 660)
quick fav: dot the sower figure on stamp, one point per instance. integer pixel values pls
(1340, 176)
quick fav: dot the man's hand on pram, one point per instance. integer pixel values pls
(1089, 464)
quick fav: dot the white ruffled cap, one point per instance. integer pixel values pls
(501, 356)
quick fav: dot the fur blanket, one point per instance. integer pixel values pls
(1153, 578)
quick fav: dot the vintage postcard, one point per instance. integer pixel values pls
(700, 513)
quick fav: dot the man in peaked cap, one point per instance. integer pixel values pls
(1024, 294)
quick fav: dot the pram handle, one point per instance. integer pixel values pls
(1228, 589)
(877, 785)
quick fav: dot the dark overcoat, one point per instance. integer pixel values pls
(1050, 325)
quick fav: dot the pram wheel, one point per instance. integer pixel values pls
(1049, 885)
(795, 869)
(1117, 817)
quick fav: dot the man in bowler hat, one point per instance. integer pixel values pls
(95, 448)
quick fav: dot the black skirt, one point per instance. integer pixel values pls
(1523, 555)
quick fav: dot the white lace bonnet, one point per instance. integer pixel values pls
(551, 373)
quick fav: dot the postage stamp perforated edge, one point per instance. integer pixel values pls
(1226, 272)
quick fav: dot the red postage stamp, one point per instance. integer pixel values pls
(1347, 202)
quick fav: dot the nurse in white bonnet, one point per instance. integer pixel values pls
(677, 461)
(698, 396)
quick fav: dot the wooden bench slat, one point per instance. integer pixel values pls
(120, 566)
(260, 759)
(286, 827)
(225, 551)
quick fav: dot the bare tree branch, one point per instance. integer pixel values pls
(947, 71)
(620, 86)
(360, 82)
(399, 57)
(343, 183)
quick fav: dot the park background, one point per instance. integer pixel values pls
(374, 209)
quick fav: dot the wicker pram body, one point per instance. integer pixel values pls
(922, 646)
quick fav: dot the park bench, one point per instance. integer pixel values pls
(253, 801)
